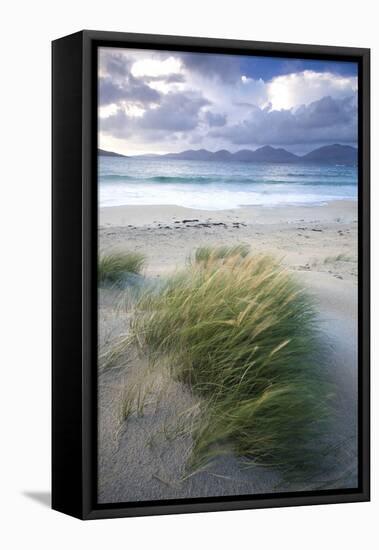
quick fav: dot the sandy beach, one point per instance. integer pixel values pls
(306, 238)
(318, 244)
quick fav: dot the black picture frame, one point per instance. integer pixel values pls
(74, 272)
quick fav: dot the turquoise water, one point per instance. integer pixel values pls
(213, 185)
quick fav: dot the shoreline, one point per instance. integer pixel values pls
(318, 239)
(149, 214)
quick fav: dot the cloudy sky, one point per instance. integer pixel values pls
(159, 101)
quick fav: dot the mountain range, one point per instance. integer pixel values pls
(330, 154)
(103, 153)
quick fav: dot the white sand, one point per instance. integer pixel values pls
(305, 238)
(150, 214)
(319, 244)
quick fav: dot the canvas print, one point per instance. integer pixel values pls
(227, 275)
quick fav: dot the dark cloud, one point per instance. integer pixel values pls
(113, 63)
(187, 116)
(327, 112)
(243, 104)
(118, 84)
(173, 78)
(117, 125)
(131, 89)
(327, 120)
(223, 67)
(215, 119)
(177, 112)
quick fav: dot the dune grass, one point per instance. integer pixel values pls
(208, 253)
(241, 333)
(113, 267)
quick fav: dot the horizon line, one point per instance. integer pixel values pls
(300, 155)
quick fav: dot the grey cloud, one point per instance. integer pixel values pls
(224, 67)
(131, 89)
(118, 84)
(243, 104)
(327, 120)
(215, 119)
(177, 112)
(327, 112)
(114, 63)
(118, 125)
(175, 78)
(170, 78)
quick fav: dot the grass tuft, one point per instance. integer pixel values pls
(113, 267)
(242, 335)
(204, 254)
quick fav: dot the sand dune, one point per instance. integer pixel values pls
(319, 244)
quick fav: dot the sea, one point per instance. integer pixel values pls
(212, 185)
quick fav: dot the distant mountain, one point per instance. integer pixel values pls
(330, 154)
(335, 154)
(147, 156)
(245, 155)
(264, 154)
(222, 155)
(103, 153)
(270, 154)
(190, 154)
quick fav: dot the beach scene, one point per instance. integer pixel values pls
(227, 275)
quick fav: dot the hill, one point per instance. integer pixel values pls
(329, 154)
(335, 154)
(103, 153)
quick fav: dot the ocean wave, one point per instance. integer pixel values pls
(230, 180)
(104, 178)
(324, 175)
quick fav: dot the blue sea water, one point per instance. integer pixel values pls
(211, 185)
